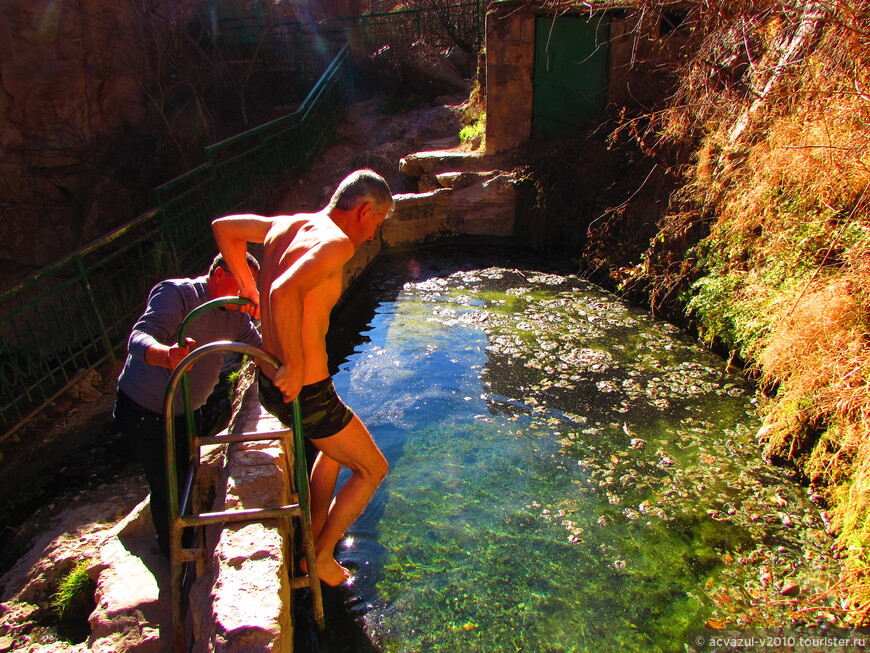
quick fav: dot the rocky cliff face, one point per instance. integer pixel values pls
(102, 100)
(72, 80)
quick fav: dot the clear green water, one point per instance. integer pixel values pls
(566, 474)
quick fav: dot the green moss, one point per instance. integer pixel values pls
(73, 589)
(745, 268)
(472, 131)
(854, 535)
(473, 116)
(724, 311)
(233, 377)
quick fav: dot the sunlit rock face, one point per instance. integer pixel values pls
(72, 82)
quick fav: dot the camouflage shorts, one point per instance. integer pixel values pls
(323, 412)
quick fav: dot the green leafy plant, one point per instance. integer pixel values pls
(473, 115)
(233, 377)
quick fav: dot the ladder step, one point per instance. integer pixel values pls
(190, 555)
(245, 437)
(250, 514)
(299, 582)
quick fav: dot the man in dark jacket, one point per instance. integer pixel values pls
(153, 353)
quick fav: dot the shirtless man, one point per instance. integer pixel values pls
(300, 282)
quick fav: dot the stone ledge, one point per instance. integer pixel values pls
(438, 161)
(480, 205)
(243, 602)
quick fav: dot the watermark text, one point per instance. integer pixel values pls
(833, 640)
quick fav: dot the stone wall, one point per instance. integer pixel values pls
(461, 194)
(243, 603)
(510, 60)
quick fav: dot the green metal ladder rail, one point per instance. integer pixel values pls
(179, 506)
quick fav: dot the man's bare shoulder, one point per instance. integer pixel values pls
(331, 242)
(281, 224)
(311, 222)
(312, 233)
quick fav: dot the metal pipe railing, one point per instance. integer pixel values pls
(179, 506)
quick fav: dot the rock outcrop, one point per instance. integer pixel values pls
(133, 612)
(460, 194)
(71, 90)
(78, 534)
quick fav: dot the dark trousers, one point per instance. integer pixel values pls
(144, 432)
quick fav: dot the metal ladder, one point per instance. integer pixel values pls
(182, 515)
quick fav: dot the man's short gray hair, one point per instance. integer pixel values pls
(362, 186)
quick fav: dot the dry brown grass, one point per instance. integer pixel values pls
(785, 210)
(815, 354)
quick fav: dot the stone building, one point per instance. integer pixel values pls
(555, 67)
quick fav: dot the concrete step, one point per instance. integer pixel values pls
(440, 161)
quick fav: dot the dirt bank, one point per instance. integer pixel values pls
(67, 456)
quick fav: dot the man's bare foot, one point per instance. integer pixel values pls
(328, 570)
(332, 573)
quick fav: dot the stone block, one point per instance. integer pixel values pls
(133, 613)
(418, 218)
(527, 30)
(428, 182)
(243, 603)
(478, 203)
(485, 208)
(265, 452)
(250, 595)
(503, 28)
(518, 59)
(260, 486)
(436, 161)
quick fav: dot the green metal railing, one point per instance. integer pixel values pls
(76, 315)
(297, 44)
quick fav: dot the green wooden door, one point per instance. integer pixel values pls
(570, 82)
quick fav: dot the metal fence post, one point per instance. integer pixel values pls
(89, 291)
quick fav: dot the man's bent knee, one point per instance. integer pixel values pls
(354, 448)
(373, 471)
(381, 470)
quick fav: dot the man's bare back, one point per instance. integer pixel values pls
(290, 243)
(300, 282)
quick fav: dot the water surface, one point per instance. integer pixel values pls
(566, 473)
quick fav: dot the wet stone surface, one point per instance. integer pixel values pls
(566, 474)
